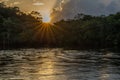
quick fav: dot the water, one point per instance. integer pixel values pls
(58, 64)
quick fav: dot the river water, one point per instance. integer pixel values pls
(58, 64)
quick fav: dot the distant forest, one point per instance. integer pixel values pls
(26, 30)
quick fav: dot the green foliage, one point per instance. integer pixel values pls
(18, 29)
(87, 31)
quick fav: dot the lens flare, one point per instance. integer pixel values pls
(45, 33)
(48, 33)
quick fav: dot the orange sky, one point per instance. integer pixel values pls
(67, 9)
(43, 6)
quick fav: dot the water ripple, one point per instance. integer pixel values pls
(58, 64)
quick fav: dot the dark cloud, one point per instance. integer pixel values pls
(92, 7)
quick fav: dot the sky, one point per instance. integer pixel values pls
(65, 9)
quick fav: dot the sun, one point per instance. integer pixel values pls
(46, 19)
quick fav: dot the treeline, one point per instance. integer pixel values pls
(18, 29)
(95, 32)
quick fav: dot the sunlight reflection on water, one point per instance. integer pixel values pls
(57, 64)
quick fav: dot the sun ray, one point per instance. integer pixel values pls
(47, 33)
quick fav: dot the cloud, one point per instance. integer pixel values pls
(106, 2)
(16, 3)
(38, 4)
(3, 1)
(93, 7)
(60, 4)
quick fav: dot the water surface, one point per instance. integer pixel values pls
(58, 64)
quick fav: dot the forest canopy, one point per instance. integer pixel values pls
(19, 29)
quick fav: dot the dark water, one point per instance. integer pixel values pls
(57, 64)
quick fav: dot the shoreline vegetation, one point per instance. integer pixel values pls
(22, 30)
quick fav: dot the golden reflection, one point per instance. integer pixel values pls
(48, 70)
(104, 74)
(105, 68)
